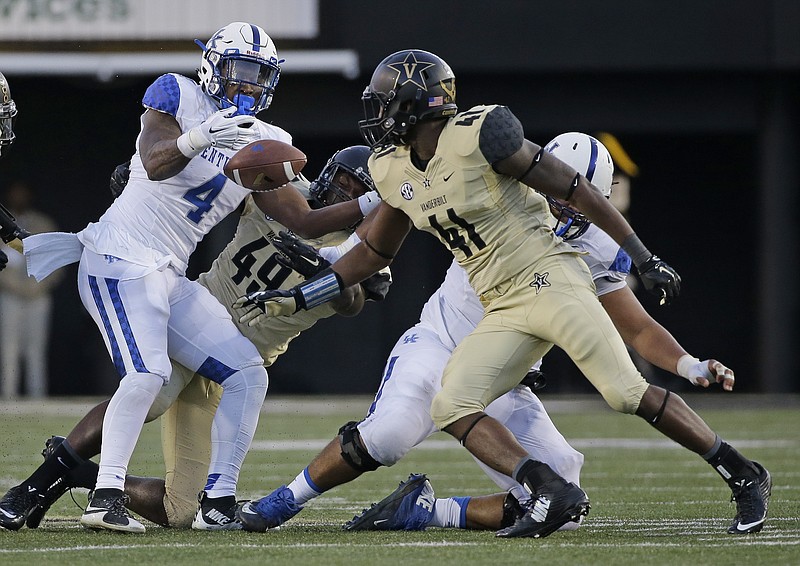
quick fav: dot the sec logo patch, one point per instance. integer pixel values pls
(407, 191)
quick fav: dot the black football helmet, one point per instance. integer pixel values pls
(8, 111)
(351, 159)
(407, 87)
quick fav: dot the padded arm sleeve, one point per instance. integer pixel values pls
(501, 135)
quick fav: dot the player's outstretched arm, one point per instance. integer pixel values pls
(655, 343)
(384, 238)
(546, 173)
(287, 206)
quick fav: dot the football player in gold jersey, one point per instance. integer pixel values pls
(464, 178)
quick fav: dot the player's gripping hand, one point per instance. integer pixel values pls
(299, 256)
(221, 129)
(659, 279)
(323, 287)
(266, 304)
(705, 372)
(10, 231)
(376, 286)
(119, 178)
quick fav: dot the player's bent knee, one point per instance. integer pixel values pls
(445, 412)
(624, 399)
(353, 451)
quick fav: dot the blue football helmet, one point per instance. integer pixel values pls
(240, 54)
(591, 159)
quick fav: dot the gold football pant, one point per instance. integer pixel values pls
(186, 443)
(552, 302)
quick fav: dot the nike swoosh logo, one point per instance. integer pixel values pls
(7, 514)
(314, 263)
(380, 522)
(742, 527)
(210, 131)
(448, 177)
(60, 461)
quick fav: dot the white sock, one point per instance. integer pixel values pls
(122, 425)
(303, 488)
(233, 428)
(450, 513)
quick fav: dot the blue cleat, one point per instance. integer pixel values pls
(268, 512)
(407, 508)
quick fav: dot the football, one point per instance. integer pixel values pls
(264, 165)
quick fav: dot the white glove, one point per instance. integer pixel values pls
(221, 129)
(369, 202)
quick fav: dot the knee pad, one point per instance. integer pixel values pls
(353, 450)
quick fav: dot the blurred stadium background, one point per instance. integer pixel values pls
(703, 95)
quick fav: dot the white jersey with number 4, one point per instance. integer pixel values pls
(154, 223)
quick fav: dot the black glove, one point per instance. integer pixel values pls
(3, 260)
(376, 286)
(659, 279)
(9, 229)
(296, 254)
(119, 178)
(534, 379)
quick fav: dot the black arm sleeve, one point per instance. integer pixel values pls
(501, 135)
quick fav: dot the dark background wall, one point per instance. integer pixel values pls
(703, 97)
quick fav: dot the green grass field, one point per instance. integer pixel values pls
(652, 501)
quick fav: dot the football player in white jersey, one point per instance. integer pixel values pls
(187, 404)
(399, 418)
(464, 177)
(133, 260)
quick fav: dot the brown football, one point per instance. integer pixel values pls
(264, 165)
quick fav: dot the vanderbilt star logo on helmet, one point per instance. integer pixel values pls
(540, 280)
(409, 70)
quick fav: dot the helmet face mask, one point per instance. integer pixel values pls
(351, 160)
(240, 67)
(8, 112)
(591, 159)
(407, 87)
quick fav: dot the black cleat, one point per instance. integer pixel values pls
(17, 504)
(752, 500)
(548, 511)
(106, 510)
(85, 475)
(216, 514)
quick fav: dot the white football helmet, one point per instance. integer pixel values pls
(8, 111)
(591, 159)
(240, 54)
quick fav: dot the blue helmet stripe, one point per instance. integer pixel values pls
(592, 160)
(256, 38)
